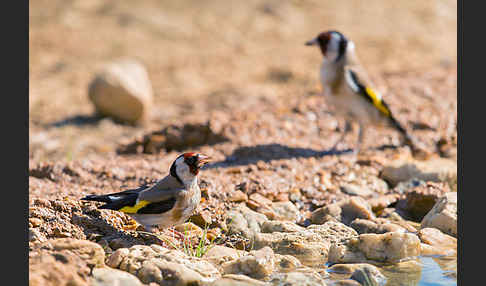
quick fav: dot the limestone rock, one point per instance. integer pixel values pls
(355, 207)
(356, 190)
(237, 280)
(285, 263)
(244, 221)
(308, 278)
(259, 264)
(53, 268)
(108, 276)
(443, 215)
(201, 219)
(310, 245)
(219, 254)
(436, 242)
(347, 282)
(92, 253)
(280, 226)
(388, 247)
(433, 236)
(286, 211)
(327, 213)
(163, 266)
(434, 169)
(122, 90)
(420, 200)
(368, 275)
(376, 226)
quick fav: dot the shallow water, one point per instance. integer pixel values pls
(426, 271)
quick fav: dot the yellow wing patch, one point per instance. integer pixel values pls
(135, 208)
(377, 102)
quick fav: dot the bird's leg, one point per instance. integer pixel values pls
(359, 142)
(179, 234)
(347, 128)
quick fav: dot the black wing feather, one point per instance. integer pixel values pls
(158, 207)
(116, 201)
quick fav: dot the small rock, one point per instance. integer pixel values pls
(377, 226)
(218, 254)
(310, 246)
(163, 266)
(443, 215)
(420, 200)
(237, 280)
(435, 169)
(238, 196)
(108, 276)
(295, 195)
(122, 90)
(347, 268)
(117, 257)
(119, 243)
(36, 222)
(435, 237)
(52, 268)
(214, 233)
(282, 197)
(258, 264)
(201, 219)
(190, 230)
(36, 235)
(368, 275)
(286, 263)
(388, 247)
(355, 207)
(347, 282)
(327, 213)
(378, 204)
(91, 252)
(308, 278)
(286, 211)
(431, 250)
(244, 221)
(355, 190)
(261, 200)
(280, 226)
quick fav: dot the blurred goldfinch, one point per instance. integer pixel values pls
(348, 88)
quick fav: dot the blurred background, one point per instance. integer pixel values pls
(203, 56)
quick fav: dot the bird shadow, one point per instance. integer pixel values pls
(268, 152)
(77, 120)
(94, 225)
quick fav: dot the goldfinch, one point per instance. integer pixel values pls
(170, 202)
(348, 88)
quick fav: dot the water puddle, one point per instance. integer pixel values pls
(426, 271)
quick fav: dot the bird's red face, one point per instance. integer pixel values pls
(332, 44)
(195, 161)
(186, 167)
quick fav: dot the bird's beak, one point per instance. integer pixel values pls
(202, 160)
(311, 42)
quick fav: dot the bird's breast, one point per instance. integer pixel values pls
(187, 204)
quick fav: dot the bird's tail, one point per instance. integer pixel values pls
(114, 201)
(415, 145)
(97, 198)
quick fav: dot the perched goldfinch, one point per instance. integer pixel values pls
(348, 88)
(170, 202)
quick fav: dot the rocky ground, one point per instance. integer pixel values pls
(278, 206)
